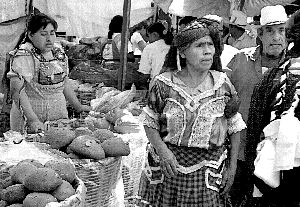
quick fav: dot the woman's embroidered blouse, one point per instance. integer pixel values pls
(44, 81)
(190, 117)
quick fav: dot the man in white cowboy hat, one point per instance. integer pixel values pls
(274, 115)
(245, 71)
(240, 35)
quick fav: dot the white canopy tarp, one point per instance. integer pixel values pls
(253, 7)
(13, 9)
(195, 8)
(91, 18)
(222, 8)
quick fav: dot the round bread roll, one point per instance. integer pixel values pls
(115, 147)
(42, 180)
(38, 199)
(88, 147)
(64, 169)
(103, 134)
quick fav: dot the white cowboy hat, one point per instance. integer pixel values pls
(271, 15)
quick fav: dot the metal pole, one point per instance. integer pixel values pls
(124, 45)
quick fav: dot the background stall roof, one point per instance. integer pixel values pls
(219, 7)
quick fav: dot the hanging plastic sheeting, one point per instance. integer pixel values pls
(195, 8)
(90, 18)
(253, 7)
(164, 4)
(9, 36)
(13, 9)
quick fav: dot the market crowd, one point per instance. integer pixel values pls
(222, 115)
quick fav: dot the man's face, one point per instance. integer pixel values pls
(152, 37)
(273, 39)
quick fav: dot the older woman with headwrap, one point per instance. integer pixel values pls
(192, 123)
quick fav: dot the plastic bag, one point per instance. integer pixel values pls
(265, 164)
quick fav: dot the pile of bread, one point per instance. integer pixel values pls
(30, 183)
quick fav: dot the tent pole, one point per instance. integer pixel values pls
(155, 13)
(124, 45)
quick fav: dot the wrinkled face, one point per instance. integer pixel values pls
(44, 38)
(273, 39)
(199, 55)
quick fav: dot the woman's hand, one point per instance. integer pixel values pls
(35, 127)
(168, 162)
(232, 106)
(228, 178)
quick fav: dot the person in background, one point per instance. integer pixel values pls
(137, 38)
(111, 50)
(245, 70)
(228, 51)
(275, 105)
(190, 117)
(168, 32)
(153, 56)
(184, 21)
(38, 78)
(241, 35)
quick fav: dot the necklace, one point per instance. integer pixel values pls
(56, 52)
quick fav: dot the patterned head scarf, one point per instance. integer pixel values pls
(182, 40)
(194, 31)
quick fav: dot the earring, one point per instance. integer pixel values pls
(178, 60)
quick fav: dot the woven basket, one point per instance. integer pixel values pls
(85, 97)
(133, 164)
(76, 200)
(94, 74)
(107, 73)
(99, 177)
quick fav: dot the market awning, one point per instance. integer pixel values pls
(220, 7)
(91, 18)
(195, 7)
(13, 9)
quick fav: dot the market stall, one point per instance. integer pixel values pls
(101, 174)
